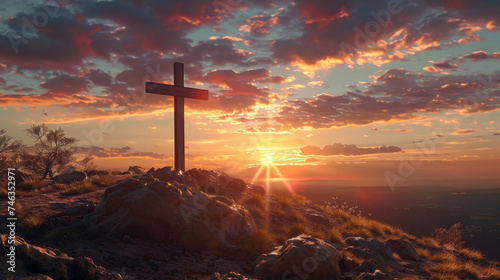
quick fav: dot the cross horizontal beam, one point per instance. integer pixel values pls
(171, 90)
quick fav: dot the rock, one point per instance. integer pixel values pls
(403, 248)
(374, 245)
(368, 266)
(347, 264)
(317, 219)
(136, 170)
(214, 181)
(364, 253)
(168, 174)
(53, 263)
(81, 209)
(94, 172)
(66, 178)
(89, 253)
(148, 178)
(303, 256)
(172, 212)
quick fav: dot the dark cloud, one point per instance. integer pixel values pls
(347, 150)
(481, 55)
(397, 94)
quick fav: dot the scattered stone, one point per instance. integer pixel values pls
(403, 248)
(66, 178)
(302, 256)
(52, 263)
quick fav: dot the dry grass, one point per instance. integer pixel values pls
(257, 211)
(284, 200)
(423, 253)
(260, 242)
(33, 221)
(80, 188)
(3, 191)
(451, 236)
(104, 180)
(32, 184)
(428, 242)
(457, 269)
(472, 254)
(443, 257)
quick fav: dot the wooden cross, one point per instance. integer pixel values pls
(179, 92)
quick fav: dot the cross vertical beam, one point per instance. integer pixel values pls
(179, 92)
(179, 139)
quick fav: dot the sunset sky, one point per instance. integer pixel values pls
(332, 92)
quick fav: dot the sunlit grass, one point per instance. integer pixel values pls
(80, 188)
(103, 180)
(472, 254)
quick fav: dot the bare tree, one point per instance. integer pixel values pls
(87, 163)
(8, 150)
(52, 150)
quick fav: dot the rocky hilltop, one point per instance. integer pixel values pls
(165, 224)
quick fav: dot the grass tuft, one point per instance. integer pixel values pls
(103, 180)
(80, 188)
(32, 184)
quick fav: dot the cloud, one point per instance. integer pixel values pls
(481, 55)
(348, 150)
(124, 152)
(465, 131)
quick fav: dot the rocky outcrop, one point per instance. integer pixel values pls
(403, 248)
(304, 257)
(174, 212)
(370, 246)
(215, 181)
(66, 178)
(136, 170)
(42, 263)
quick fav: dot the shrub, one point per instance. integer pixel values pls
(260, 242)
(451, 236)
(423, 253)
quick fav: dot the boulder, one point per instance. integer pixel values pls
(368, 266)
(363, 253)
(168, 174)
(373, 245)
(66, 178)
(304, 257)
(215, 181)
(404, 249)
(136, 170)
(171, 212)
(49, 262)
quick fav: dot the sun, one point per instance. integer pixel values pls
(267, 160)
